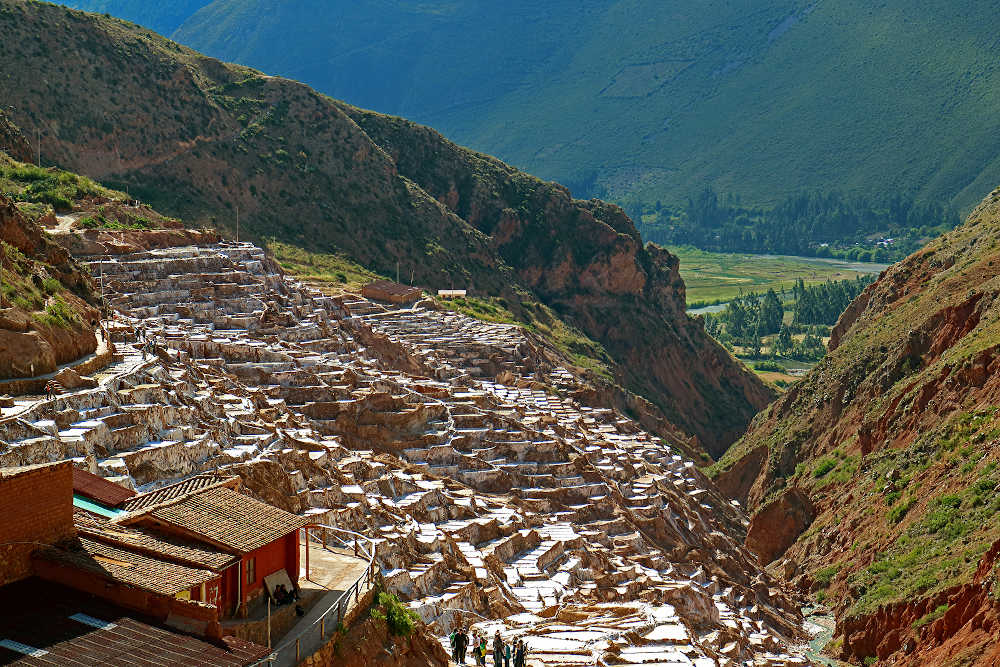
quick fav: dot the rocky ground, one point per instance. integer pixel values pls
(494, 496)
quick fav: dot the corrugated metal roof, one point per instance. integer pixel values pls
(100, 489)
(40, 614)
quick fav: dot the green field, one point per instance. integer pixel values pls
(717, 277)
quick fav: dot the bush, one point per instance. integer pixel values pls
(826, 575)
(825, 466)
(58, 314)
(51, 285)
(930, 617)
(768, 366)
(397, 616)
(897, 513)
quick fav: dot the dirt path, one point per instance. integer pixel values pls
(65, 224)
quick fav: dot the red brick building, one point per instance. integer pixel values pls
(71, 580)
(35, 511)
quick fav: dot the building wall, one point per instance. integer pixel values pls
(36, 507)
(195, 617)
(278, 555)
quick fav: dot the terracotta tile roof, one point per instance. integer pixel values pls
(126, 566)
(99, 489)
(156, 545)
(231, 519)
(79, 629)
(166, 494)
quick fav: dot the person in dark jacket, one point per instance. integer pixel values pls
(520, 654)
(463, 644)
(498, 651)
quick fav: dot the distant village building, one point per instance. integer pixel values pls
(452, 293)
(386, 290)
(186, 556)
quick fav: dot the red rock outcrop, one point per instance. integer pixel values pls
(777, 525)
(966, 620)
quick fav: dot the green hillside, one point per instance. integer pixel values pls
(637, 100)
(163, 17)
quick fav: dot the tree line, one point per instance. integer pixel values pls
(749, 318)
(810, 224)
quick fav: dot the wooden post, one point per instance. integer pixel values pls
(298, 650)
(322, 628)
(307, 555)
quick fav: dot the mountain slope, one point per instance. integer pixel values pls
(163, 17)
(886, 455)
(633, 99)
(197, 138)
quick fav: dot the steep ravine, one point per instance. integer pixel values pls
(885, 456)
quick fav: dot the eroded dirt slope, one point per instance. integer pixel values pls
(885, 456)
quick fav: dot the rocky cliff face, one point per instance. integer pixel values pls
(12, 141)
(892, 442)
(198, 138)
(587, 261)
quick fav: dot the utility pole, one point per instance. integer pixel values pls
(237, 223)
(38, 145)
(3, 256)
(103, 310)
(397, 270)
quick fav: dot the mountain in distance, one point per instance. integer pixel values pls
(197, 138)
(873, 481)
(642, 101)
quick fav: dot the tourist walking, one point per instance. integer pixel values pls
(498, 647)
(481, 651)
(506, 654)
(520, 653)
(453, 639)
(461, 644)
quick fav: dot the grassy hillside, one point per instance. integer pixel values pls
(893, 439)
(645, 101)
(163, 17)
(201, 140)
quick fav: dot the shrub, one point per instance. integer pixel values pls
(897, 513)
(51, 285)
(58, 314)
(397, 616)
(826, 575)
(930, 617)
(825, 466)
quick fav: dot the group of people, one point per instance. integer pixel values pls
(148, 344)
(504, 654)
